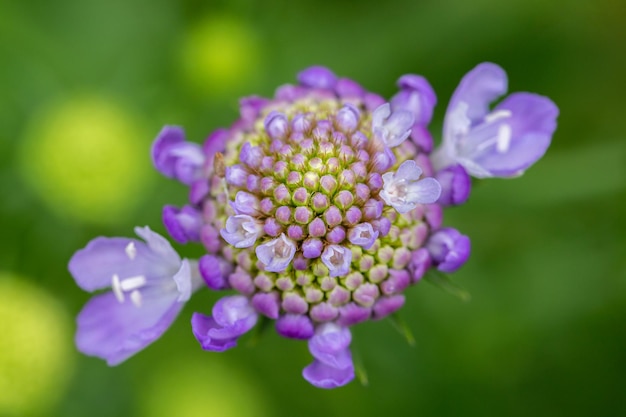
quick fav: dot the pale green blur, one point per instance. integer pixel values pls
(85, 158)
(36, 348)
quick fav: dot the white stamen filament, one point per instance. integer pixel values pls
(132, 283)
(135, 297)
(503, 142)
(131, 250)
(117, 290)
(129, 284)
(497, 115)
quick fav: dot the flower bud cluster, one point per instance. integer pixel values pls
(308, 228)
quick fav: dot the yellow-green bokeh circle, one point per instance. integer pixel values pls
(36, 348)
(87, 158)
(201, 388)
(220, 54)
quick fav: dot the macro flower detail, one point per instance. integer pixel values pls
(176, 158)
(241, 231)
(276, 254)
(318, 209)
(332, 366)
(403, 190)
(449, 249)
(502, 142)
(232, 317)
(392, 127)
(149, 283)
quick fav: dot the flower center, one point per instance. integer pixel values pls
(309, 173)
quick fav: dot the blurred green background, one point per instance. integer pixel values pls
(86, 85)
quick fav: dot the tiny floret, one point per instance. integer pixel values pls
(392, 128)
(241, 231)
(403, 190)
(337, 258)
(363, 235)
(277, 253)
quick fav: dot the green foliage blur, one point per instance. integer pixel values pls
(85, 86)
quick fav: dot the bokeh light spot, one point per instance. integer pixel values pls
(220, 54)
(35, 348)
(86, 158)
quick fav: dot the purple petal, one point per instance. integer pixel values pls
(324, 376)
(363, 235)
(417, 96)
(235, 314)
(216, 142)
(329, 344)
(175, 158)
(317, 77)
(449, 249)
(246, 203)
(532, 123)
(387, 305)
(420, 262)
(201, 326)
(312, 248)
(455, 185)
(158, 245)
(267, 304)
(295, 326)
(215, 271)
(241, 231)
(250, 108)
(276, 254)
(94, 266)
(115, 331)
(232, 317)
(276, 125)
(198, 190)
(351, 314)
(161, 158)
(346, 88)
(337, 258)
(182, 224)
(422, 138)
(478, 88)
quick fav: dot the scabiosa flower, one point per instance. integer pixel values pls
(317, 208)
(149, 286)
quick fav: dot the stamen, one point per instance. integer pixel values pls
(497, 115)
(132, 283)
(504, 138)
(117, 289)
(131, 250)
(135, 297)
